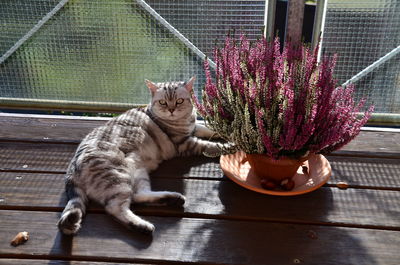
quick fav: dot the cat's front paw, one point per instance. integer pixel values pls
(202, 131)
(229, 148)
(221, 149)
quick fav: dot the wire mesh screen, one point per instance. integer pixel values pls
(206, 23)
(361, 33)
(100, 51)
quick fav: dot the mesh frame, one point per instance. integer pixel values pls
(361, 33)
(100, 51)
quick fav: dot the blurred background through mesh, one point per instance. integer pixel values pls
(101, 51)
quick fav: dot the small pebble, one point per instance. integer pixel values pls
(342, 185)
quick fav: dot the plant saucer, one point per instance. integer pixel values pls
(236, 167)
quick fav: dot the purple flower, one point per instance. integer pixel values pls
(293, 101)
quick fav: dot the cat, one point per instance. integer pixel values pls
(111, 165)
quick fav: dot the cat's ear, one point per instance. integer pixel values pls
(189, 84)
(152, 87)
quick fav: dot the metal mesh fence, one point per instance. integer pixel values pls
(100, 51)
(206, 23)
(361, 33)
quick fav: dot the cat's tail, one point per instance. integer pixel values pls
(71, 217)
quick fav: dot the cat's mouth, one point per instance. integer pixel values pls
(170, 116)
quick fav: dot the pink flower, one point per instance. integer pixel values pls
(293, 101)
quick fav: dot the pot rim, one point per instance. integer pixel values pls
(283, 160)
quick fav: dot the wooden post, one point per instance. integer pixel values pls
(269, 19)
(294, 24)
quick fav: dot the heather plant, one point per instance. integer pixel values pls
(278, 103)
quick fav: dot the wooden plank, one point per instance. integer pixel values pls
(41, 128)
(190, 167)
(42, 157)
(34, 190)
(351, 207)
(373, 144)
(192, 240)
(46, 127)
(54, 158)
(365, 172)
(357, 172)
(294, 24)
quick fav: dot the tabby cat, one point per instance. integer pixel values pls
(111, 165)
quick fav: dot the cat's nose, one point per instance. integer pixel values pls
(171, 110)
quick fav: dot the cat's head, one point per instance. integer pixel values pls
(171, 100)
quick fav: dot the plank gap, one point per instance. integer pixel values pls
(97, 259)
(365, 154)
(39, 141)
(10, 170)
(166, 213)
(271, 220)
(224, 178)
(362, 187)
(339, 153)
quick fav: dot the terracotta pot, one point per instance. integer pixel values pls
(277, 170)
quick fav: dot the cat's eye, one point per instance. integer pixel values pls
(179, 101)
(162, 102)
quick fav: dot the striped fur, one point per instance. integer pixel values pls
(111, 165)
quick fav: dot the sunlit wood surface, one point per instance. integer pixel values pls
(221, 222)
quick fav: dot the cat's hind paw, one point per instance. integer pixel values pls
(172, 199)
(160, 198)
(70, 222)
(143, 227)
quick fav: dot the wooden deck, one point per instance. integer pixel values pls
(221, 222)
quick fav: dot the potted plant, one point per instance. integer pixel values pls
(279, 107)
